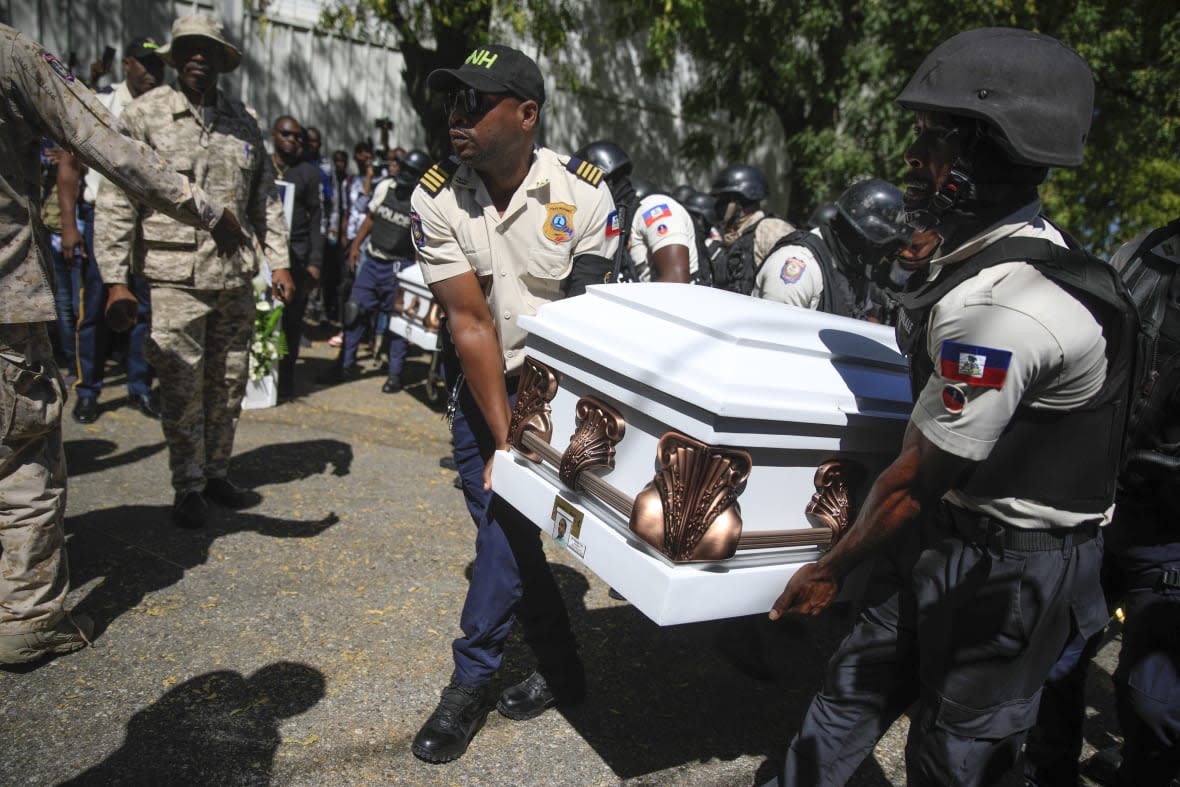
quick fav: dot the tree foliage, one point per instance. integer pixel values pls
(829, 73)
(441, 33)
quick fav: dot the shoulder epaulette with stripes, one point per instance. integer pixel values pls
(437, 176)
(585, 171)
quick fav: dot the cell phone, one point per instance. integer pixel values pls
(108, 57)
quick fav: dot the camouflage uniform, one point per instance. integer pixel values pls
(38, 98)
(202, 304)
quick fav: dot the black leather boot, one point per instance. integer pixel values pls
(445, 735)
(534, 695)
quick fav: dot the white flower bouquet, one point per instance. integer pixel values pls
(269, 344)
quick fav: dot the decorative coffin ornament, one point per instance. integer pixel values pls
(830, 505)
(600, 428)
(689, 511)
(725, 399)
(537, 387)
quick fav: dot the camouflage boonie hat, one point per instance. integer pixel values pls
(201, 26)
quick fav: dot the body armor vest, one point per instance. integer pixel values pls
(391, 227)
(839, 296)
(1069, 460)
(734, 268)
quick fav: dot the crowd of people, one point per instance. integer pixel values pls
(987, 593)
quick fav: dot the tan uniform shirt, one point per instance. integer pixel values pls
(39, 98)
(660, 221)
(222, 152)
(765, 236)
(792, 276)
(523, 256)
(1010, 316)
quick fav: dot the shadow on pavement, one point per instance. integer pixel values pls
(217, 728)
(663, 697)
(94, 455)
(136, 550)
(279, 463)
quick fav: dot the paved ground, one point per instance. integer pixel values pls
(304, 641)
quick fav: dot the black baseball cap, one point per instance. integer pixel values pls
(493, 69)
(142, 47)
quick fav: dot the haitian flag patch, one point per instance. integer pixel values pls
(652, 215)
(612, 224)
(985, 367)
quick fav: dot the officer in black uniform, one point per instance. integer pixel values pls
(1142, 569)
(390, 249)
(828, 268)
(984, 532)
(747, 232)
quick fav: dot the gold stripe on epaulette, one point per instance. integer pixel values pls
(433, 180)
(589, 173)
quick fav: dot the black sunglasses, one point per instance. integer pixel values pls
(287, 133)
(471, 102)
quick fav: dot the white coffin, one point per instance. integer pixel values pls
(417, 300)
(792, 387)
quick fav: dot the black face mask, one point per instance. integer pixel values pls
(623, 192)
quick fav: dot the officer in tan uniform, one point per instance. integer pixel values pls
(984, 533)
(40, 98)
(202, 305)
(499, 228)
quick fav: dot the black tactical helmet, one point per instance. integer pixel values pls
(700, 205)
(870, 223)
(644, 188)
(607, 156)
(1035, 94)
(411, 167)
(683, 192)
(741, 179)
(823, 215)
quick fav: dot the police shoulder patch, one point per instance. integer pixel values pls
(58, 67)
(585, 171)
(433, 180)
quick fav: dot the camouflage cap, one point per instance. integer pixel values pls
(201, 26)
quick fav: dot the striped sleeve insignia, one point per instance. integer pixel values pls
(585, 171)
(437, 176)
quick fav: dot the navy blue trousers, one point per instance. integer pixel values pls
(511, 578)
(967, 629)
(375, 288)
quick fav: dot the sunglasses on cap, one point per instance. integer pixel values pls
(471, 102)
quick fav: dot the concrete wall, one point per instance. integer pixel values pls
(343, 84)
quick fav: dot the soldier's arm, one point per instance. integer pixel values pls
(68, 113)
(354, 251)
(69, 179)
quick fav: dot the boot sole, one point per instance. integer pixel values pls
(436, 759)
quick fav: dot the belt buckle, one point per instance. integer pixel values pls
(1169, 579)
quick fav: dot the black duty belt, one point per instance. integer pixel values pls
(989, 532)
